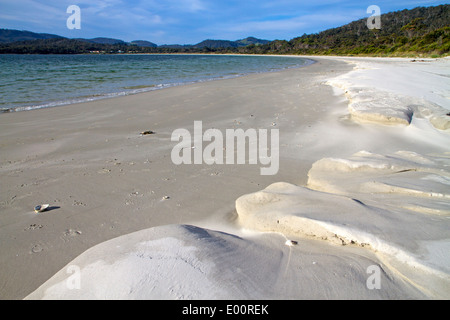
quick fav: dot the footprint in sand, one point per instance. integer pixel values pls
(37, 248)
(72, 233)
(34, 227)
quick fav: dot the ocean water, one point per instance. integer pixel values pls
(38, 81)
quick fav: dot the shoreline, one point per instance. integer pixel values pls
(141, 88)
(165, 86)
(106, 182)
(90, 161)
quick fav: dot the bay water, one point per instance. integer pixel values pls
(38, 81)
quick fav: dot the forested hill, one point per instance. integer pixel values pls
(420, 31)
(417, 31)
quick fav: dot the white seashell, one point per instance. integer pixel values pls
(41, 208)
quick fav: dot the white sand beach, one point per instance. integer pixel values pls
(359, 208)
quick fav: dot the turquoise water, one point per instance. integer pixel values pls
(39, 81)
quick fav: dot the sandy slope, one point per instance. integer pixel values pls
(104, 180)
(394, 199)
(359, 192)
(189, 262)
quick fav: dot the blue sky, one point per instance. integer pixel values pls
(191, 21)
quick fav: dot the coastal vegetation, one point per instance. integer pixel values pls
(420, 31)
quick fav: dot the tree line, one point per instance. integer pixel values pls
(423, 31)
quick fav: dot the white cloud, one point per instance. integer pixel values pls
(43, 17)
(194, 5)
(280, 27)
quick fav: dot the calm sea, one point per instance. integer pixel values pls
(40, 81)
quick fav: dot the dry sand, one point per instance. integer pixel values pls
(177, 232)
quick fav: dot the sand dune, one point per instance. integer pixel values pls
(393, 205)
(189, 262)
(392, 94)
